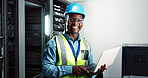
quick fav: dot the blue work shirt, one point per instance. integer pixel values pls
(49, 68)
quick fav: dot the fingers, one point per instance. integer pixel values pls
(103, 67)
(106, 68)
(79, 70)
(84, 69)
(99, 70)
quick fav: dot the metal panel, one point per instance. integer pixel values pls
(16, 39)
(21, 9)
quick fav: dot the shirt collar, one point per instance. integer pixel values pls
(69, 38)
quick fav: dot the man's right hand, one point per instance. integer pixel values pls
(79, 70)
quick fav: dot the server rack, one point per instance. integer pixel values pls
(59, 8)
(135, 61)
(8, 39)
(55, 10)
(35, 31)
(3, 40)
(11, 40)
(11, 37)
(33, 37)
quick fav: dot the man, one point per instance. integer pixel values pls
(68, 54)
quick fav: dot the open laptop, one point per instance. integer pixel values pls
(107, 57)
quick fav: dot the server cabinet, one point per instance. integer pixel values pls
(33, 37)
(58, 17)
(8, 39)
(41, 16)
(135, 60)
(55, 21)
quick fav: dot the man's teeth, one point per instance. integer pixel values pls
(75, 27)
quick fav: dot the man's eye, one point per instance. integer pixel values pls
(79, 20)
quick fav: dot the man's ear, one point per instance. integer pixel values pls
(66, 23)
(65, 19)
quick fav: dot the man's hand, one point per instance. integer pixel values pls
(103, 67)
(79, 70)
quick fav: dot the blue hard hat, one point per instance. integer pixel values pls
(75, 8)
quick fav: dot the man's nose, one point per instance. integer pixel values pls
(75, 22)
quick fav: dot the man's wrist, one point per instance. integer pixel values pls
(68, 69)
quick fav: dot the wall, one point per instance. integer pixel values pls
(110, 23)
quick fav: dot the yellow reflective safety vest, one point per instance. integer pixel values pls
(66, 56)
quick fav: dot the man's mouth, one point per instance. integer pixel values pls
(74, 26)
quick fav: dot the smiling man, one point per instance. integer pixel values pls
(67, 55)
(75, 23)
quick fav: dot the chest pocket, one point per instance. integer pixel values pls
(84, 54)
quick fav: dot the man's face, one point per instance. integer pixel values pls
(75, 23)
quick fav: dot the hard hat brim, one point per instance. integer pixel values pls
(73, 13)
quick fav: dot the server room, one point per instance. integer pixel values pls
(73, 39)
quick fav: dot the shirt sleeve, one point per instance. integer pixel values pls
(49, 68)
(90, 60)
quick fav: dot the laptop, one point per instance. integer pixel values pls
(107, 57)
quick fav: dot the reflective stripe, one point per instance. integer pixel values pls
(87, 48)
(70, 58)
(85, 44)
(63, 51)
(59, 62)
(86, 62)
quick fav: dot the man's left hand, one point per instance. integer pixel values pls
(103, 67)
